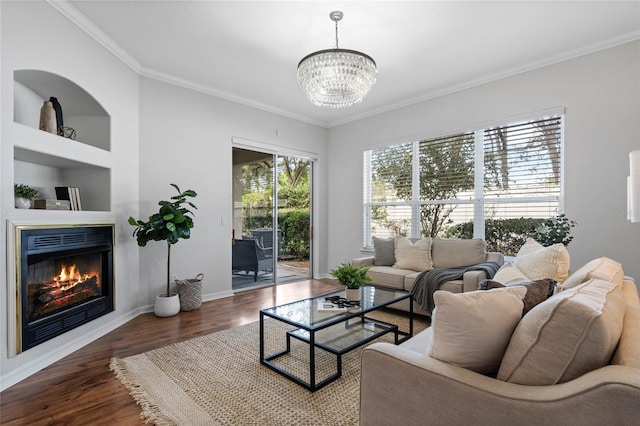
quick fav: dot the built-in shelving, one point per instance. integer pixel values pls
(45, 160)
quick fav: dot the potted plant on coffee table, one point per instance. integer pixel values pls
(172, 223)
(352, 277)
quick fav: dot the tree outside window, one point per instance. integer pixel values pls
(427, 188)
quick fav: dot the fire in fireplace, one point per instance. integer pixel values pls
(49, 294)
(65, 277)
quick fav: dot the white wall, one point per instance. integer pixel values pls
(34, 35)
(186, 139)
(601, 94)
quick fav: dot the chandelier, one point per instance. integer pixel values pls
(336, 78)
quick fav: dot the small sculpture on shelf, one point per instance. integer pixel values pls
(67, 132)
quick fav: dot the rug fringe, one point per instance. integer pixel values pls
(150, 413)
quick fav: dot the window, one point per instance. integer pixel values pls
(434, 187)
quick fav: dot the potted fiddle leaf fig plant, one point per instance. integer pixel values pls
(352, 277)
(171, 223)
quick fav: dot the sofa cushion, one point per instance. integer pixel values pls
(419, 341)
(413, 255)
(568, 335)
(508, 273)
(410, 279)
(457, 252)
(383, 251)
(602, 268)
(537, 290)
(388, 277)
(454, 286)
(537, 261)
(472, 330)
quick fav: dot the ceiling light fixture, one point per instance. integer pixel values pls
(336, 78)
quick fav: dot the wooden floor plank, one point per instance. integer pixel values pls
(81, 390)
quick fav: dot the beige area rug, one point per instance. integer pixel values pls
(217, 379)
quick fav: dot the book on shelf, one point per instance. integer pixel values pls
(70, 193)
(76, 193)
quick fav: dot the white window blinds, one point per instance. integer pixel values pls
(522, 169)
(427, 187)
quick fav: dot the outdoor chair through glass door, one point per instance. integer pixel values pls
(271, 219)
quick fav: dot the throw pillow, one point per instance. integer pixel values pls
(566, 336)
(472, 330)
(537, 290)
(449, 253)
(383, 251)
(537, 261)
(508, 274)
(489, 284)
(413, 255)
(602, 268)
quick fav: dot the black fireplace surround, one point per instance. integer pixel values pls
(65, 280)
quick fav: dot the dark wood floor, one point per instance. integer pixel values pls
(81, 390)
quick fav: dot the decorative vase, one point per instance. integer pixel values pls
(48, 118)
(22, 203)
(167, 306)
(353, 294)
(58, 109)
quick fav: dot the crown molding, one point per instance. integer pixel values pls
(593, 48)
(85, 24)
(208, 90)
(89, 27)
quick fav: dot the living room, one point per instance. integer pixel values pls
(155, 120)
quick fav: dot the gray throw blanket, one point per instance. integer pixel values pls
(428, 281)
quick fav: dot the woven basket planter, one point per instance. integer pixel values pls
(190, 292)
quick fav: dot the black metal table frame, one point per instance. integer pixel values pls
(311, 385)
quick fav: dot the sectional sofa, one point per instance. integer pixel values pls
(573, 359)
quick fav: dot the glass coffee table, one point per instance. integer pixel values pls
(334, 331)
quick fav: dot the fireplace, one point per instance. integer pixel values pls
(65, 279)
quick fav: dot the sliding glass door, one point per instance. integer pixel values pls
(271, 239)
(293, 206)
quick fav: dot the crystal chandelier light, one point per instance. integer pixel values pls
(336, 78)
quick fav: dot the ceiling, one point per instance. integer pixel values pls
(248, 51)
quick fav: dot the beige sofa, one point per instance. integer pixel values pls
(403, 385)
(444, 253)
